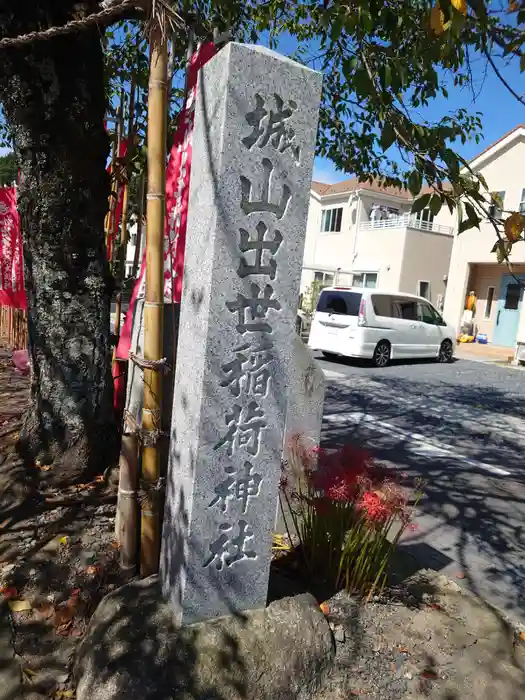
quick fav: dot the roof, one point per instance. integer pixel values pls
(353, 184)
(496, 143)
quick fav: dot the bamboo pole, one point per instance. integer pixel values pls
(154, 302)
(126, 515)
(117, 177)
(138, 246)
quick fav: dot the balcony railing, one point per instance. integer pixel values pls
(406, 221)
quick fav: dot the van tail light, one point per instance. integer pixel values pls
(361, 321)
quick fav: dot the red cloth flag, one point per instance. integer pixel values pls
(12, 291)
(177, 195)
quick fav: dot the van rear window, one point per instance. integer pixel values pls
(343, 303)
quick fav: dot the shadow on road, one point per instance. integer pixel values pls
(471, 514)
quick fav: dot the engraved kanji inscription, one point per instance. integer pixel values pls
(241, 487)
(252, 311)
(264, 203)
(245, 426)
(270, 126)
(226, 550)
(258, 248)
(249, 372)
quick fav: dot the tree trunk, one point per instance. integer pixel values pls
(53, 97)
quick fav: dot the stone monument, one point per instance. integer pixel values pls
(254, 139)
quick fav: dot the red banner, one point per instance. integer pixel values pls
(177, 195)
(12, 291)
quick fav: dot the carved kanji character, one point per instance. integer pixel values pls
(240, 487)
(226, 550)
(249, 205)
(252, 310)
(259, 246)
(245, 426)
(271, 126)
(249, 371)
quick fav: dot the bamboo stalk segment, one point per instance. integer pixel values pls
(154, 302)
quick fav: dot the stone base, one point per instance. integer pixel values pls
(132, 649)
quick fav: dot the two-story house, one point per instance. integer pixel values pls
(473, 266)
(362, 234)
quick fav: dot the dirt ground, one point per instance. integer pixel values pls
(58, 557)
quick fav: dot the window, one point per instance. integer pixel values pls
(341, 303)
(512, 296)
(488, 304)
(324, 279)
(404, 309)
(331, 220)
(423, 289)
(425, 313)
(522, 202)
(425, 215)
(382, 304)
(496, 208)
(365, 279)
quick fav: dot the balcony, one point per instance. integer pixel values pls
(406, 221)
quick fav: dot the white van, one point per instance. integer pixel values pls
(380, 326)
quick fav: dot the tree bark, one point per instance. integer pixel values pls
(53, 98)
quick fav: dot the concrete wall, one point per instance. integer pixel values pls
(381, 250)
(426, 256)
(328, 250)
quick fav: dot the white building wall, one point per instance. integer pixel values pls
(503, 172)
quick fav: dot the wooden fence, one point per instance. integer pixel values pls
(13, 327)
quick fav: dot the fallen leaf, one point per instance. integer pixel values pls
(324, 608)
(522, 636)
(19, 605)
(44, 468)
(29, 674)
(9, 592)
(64, 694)
(63, 540)
(44, 610)
(64, 614)
(99, 479)
(429, 674)
(94, 570)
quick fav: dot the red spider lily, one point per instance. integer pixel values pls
(374, 507)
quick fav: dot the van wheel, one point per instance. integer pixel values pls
(382, 354)
(446, 352)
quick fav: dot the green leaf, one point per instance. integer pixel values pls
(414, 182)
(503, 249)
(465, 225)
(420, 203)
(435, 204)
(388, 136)
(471, 213)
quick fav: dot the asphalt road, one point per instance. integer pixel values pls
(462, 428)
